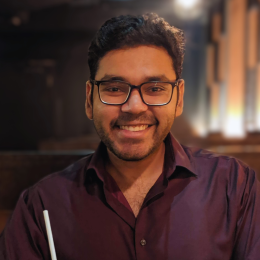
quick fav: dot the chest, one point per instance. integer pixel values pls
(170, 227)
(135, 197)
(136, 193)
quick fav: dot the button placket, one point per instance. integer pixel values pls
(141, 245)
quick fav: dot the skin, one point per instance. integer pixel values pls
(135, 159)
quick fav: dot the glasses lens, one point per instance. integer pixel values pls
(156, 93)
(113, 92)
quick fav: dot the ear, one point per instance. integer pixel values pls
(88, 103)
(179, 105)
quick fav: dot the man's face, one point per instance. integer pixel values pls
(145, 127)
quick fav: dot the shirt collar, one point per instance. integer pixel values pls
(97, 162)
(175, 156)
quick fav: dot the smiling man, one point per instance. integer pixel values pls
(141, 195)
(133, 120)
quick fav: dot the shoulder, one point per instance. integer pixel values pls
(210, 159)
(226, 174)
(55, 192)
(228, 168)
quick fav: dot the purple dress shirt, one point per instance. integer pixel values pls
(202, 207)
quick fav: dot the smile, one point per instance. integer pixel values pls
(133, 128)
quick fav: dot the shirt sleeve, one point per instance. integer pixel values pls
(23, 237)
(247, 240)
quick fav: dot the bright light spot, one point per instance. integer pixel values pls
(258, 120)
(188, 9)
(258, 99)
(234, 126)
(187, 4)
(200, 127)
(201, 131)
(214, 125)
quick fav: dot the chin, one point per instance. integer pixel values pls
(132, 153)
(128, 156)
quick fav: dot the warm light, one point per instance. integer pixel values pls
(187, 4)
(234, 126)
(214, 125)
(16, 21)
(234, 123)
(199, 126)
(188, 9)
(257, 100)
(201, 130)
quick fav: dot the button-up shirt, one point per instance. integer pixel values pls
(202, 207)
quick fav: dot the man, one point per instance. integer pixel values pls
(141, 195)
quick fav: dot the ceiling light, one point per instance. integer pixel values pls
(187, 4)
(189, 9)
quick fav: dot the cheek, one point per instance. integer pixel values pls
(104, 114)
(165, 115)
(98, 107)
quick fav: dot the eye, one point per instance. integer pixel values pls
(112, 89)
(156, 89)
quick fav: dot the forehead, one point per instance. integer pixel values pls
(137, 63)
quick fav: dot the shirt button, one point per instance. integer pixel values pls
(143, 242)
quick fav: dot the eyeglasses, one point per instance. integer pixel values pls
(153, 93)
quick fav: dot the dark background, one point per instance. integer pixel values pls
(43, 66)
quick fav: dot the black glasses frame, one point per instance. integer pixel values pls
(174, 84)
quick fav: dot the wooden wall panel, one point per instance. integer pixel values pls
(210, 64)
(222, 59)
(252, 37)
(216, 26)
(236, 21)
(214, 108)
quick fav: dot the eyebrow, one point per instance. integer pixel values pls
(149, 78)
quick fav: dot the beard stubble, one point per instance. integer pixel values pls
(157, 139)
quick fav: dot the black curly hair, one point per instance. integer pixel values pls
(130, 31)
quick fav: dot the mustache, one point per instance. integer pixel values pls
(127, 118)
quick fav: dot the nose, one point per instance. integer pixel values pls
(134, 104)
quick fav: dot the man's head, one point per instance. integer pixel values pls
(135, 50)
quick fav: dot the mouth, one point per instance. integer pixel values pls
(129, 132)
(134, 128)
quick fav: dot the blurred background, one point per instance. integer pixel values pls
(43, 71)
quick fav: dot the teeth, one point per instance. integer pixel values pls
(133, 128)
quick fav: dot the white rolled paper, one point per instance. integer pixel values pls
(49, 234)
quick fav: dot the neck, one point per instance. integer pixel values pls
(129, 172)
